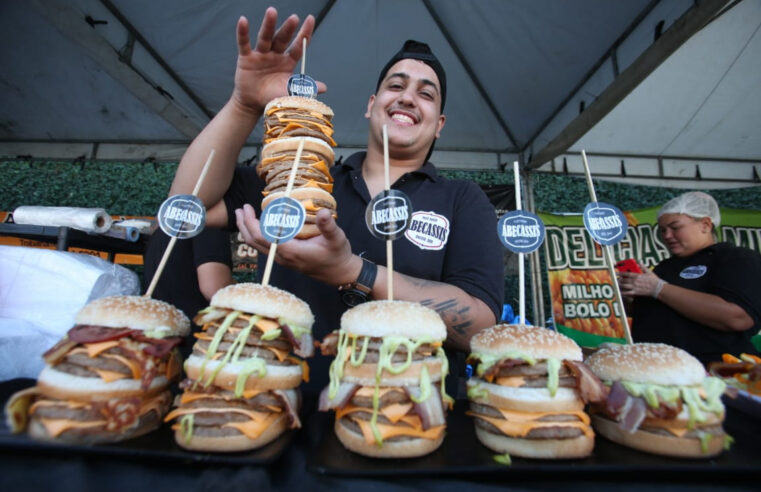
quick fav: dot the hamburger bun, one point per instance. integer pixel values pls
(135, 312)
(64, 386)
(232, 442)
(393, 318)
(299, 102)
(264, 300)
(651, 442)
(406, 447)
(289, 146)
(523, 399)
(576, 447)
(275, 377)
(537, 342)
(653, 363)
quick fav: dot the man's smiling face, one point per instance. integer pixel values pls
(408, 101)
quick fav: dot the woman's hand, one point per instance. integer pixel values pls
(638, 284)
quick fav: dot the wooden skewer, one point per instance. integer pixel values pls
(172, 241)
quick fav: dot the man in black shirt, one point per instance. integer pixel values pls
(449, 260)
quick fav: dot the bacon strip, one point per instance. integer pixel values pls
(94, 333)
(343, 395)
(158, 347)
(329, 344)
(303, 346)
(291, 400)
(591, 389)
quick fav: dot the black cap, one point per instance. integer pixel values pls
(418, 51)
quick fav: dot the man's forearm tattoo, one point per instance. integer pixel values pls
(455, 316)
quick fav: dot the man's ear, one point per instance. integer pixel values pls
(370, 106)
(706, 224)
(442, 120)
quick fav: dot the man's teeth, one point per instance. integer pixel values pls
(401, 118)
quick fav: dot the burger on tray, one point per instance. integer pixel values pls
(241, 390)
(108, 378)
(660, 401)
(288, 120)
(387, 380)
(529, 391)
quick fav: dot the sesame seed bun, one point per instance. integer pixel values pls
(135, 312)
(535, 341)
(300, 102)
(264, 300)
(394, 318)
(653, 363)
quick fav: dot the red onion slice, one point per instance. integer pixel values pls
(343, 395)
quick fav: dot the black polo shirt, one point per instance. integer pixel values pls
(730, 272)
(454, 238)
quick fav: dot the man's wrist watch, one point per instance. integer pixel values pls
(357, 292)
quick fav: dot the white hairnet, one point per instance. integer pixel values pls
(695, 204)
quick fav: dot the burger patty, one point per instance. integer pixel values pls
(537, 433)
(254, 338)
(389, 398)
(354, 427)
(715, 430)
(541, 382)
(527, 370)
(201, 347)
(83, 361)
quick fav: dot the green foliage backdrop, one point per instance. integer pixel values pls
(134, 188)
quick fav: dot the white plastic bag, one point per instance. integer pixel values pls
(40, 293)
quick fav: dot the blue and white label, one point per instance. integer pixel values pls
(388, 214)
(182, 216)
(282, 219)
(605, 223)
(693, 272)
(520, 231)
(302, 85)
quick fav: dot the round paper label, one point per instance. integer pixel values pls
(520, 231)
(302, 85)
(182, 216)
(388, 214)
(282, 219)
(605, 223)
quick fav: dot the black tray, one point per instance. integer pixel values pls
(462, 454)
(154, 447)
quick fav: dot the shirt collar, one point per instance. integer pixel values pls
(353, 164)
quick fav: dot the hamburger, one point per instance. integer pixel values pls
(314, 167)
(288, 121)
(241, 390)
(313, 199)
(660, 401)
(108, 378)
(297, 116)
(387, 380)
(528, 393)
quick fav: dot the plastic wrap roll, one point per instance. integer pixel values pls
(85, 219)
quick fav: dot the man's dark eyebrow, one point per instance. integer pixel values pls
(406, 77)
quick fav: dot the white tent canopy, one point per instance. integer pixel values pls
(662, 85)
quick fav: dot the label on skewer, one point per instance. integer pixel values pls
(605, 223)
(388, 214)
(182, 216)
(302, 85)
(520, 231)
(282, 219)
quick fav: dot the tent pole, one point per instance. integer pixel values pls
(537, 297)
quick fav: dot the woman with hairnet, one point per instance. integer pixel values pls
(705, 298)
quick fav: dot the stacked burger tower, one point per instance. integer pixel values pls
(286, 121)
(108, 378)
(387, 379)
(529, 391)
(241, 390)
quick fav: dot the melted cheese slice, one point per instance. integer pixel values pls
(396, 411)
(55, 427)
(511, 382)
(133, 366)
(109, 376)
(93, 349)
(369, 391)
(266, 324)
(189, 396)
(521, 428)
(387, 431)
(251, 414)
(251, 428)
